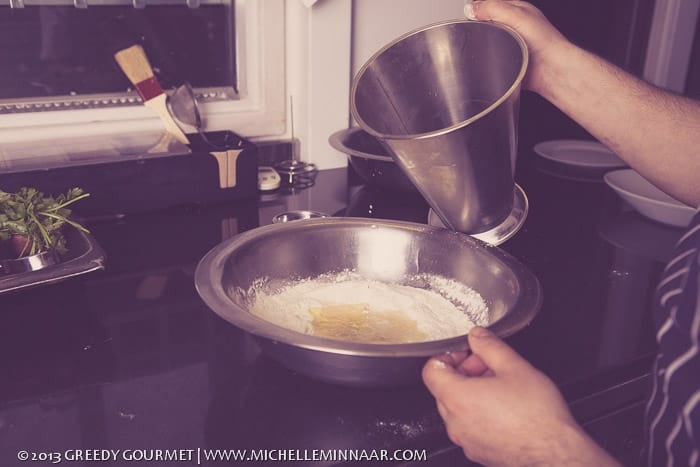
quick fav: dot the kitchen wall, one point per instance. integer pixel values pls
(322, 60)
(377, 22)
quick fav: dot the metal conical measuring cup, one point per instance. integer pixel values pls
(444, 101)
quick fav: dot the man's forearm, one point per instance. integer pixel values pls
(656, 132)
(574, 448)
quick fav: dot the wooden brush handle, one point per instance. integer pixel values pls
(135, 65)
(159, 105)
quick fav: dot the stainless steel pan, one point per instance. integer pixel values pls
(370, 160)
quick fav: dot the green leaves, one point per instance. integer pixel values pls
(38, 218)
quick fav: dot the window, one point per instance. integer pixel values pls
(60, 78)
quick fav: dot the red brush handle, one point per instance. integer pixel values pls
(149, 88)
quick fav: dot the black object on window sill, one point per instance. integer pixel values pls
(146, 184)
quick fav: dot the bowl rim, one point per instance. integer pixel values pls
(610, 179)
(336, 140)
(210, 270)
(304, 214)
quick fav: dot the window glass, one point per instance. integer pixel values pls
(62, 53)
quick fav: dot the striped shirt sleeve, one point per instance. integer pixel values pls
(673, 410)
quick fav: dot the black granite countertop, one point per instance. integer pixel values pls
(130, 358)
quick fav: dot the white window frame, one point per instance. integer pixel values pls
(671, 43)
(319, 48)
(260, 111)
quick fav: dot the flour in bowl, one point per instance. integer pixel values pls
(348, 307)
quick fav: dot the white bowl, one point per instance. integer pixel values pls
(579, 153)
(648, 200)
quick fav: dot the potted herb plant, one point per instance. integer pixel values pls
(33, 223)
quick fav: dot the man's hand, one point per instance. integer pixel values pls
(545, 43)
(611, 104)
(502, 411)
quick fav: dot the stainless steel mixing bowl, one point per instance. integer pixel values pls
(388, 251)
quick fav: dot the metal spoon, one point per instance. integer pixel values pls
(182, 104)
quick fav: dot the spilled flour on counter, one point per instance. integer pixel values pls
(347, 307)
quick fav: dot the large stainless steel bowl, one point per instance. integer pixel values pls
(388, 251)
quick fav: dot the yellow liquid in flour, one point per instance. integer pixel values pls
(358, 324)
